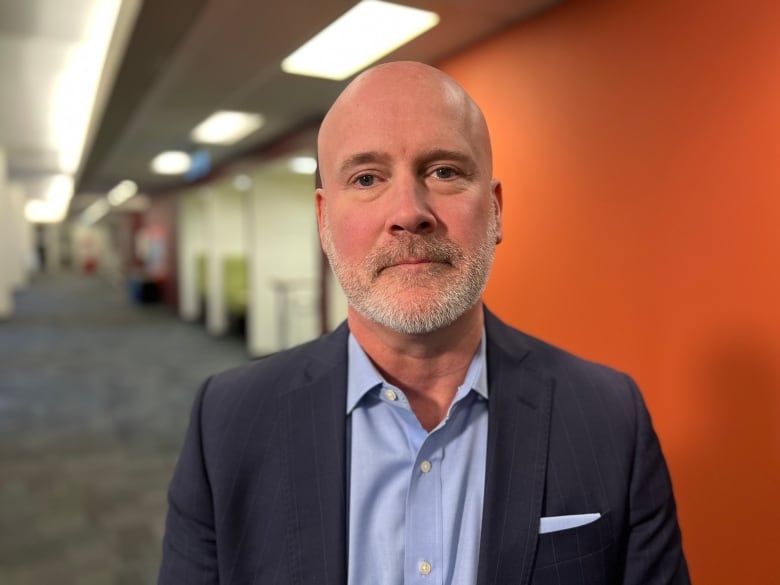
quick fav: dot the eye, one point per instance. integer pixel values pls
(445, 173)
(365, 180)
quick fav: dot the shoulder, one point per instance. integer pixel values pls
(544, 358)
(592, 404)
(576, 381)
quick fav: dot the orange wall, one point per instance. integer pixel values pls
(639, 147)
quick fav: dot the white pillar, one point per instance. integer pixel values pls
(20, 236)
(257, 332)
(6, 248)
(190, 245)
(283, 263)
(216, 312)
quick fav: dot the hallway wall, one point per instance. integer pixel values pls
(161, 222)
(284, 258)
(637, 143)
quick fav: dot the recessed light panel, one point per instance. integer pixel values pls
(53, 207)
(303, 165)
(364, 34)
(122, 192)
(171, 162)
(226, 127)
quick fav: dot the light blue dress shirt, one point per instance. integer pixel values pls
(415, 500)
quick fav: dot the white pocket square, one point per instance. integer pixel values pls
(556, 523)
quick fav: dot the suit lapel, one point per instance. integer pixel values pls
(316, 463)
(518, 434)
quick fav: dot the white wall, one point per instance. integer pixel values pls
(191, 243)
(224, 227)
(21, 239)
(272, 223)
(6, 252)
(337, 302)
(87, 243)
(211, 222)
(284, 261)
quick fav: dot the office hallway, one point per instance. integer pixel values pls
(95, 395)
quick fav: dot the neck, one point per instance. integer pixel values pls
(428, 367)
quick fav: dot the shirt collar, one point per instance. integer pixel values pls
(362, 376)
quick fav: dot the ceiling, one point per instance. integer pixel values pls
(174, 62)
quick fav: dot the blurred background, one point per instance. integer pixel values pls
(157, 225)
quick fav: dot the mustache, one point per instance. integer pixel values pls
(430, 248)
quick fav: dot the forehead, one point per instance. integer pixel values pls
(401, 120)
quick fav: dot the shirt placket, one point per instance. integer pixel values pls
(423, 562)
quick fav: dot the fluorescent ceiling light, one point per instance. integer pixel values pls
(303, 165)
(95, 212)
(122, 192)
(171, 162)
(76, 88)
(364, 34)
(53, 207)
(226, 127)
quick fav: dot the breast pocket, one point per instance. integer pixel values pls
(582, 555)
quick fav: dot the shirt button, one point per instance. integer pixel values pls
(425, 466)
(391, 395)
(424, 567)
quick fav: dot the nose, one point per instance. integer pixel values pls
(410, 209)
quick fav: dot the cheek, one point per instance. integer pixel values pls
(353, 233)
(467, 223)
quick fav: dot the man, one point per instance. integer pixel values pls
(423, 441)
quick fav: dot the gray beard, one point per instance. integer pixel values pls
(450, 295)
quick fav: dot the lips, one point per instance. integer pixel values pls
(415, 266)
(412, 261)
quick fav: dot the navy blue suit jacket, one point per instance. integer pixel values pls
(259, 495)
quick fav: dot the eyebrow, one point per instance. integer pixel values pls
(374, 156)
(362, 158)
(444, 154)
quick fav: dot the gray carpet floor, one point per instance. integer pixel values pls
(95, 393)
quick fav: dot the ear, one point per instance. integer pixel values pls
(319, 202)
(498, 207)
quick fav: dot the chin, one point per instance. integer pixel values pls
(414, 312)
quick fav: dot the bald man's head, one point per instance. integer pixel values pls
(401, 90)
(409, 212)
